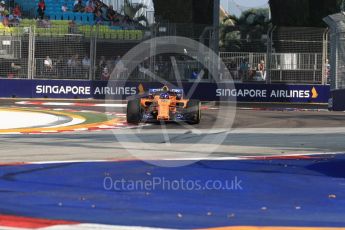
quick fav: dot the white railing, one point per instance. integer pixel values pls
(282, 67)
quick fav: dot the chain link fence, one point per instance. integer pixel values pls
(243, 66)
(63, 50)
(296, 55)
(338, 60)
(13, 53)
(293, 55)
(336, 64)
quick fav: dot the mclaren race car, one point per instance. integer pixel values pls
(163, 105)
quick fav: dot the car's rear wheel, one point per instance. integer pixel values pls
(134, 111)
(193, 109)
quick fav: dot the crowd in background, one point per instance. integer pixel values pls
(72, 66)
(102, 14)
(78, 67)
(246, 72)
(10, 16)
(75, 66)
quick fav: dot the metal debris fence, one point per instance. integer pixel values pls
(64, 51)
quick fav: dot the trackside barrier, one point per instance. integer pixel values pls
(337, 61)
(204, 91)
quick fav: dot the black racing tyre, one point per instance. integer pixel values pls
(134, 113)
(194, 111)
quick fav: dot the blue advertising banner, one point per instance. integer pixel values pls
(337, 100)
(16, 88)
(243, 92)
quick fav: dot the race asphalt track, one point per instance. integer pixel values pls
(52, 179)
(257, 130)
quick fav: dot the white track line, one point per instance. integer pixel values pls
(98, 227)
(246, 157)
(56, 103)
(13, 119)
(111, 105)
(87, 227)
(312, 131)
(118, 105)
(75, 121)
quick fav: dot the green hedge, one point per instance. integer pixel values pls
(60, 27)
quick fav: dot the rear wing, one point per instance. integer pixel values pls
(178, 92)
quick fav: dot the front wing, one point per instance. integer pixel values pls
(177, 117)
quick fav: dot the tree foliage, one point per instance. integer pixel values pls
(131, 10)
(250, 26)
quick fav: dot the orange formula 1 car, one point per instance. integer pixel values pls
(163, 105)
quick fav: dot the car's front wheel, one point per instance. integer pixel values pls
(134, 111)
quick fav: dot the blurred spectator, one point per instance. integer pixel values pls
(102, 62)
(60, 66)
(90, 7)
(17, 12)
(98, 17)
(244, 69)
(41, 9)
(71, 66)
(105, 74)
(86, 63)
(6, 21)
(232, 67)
(4, 14)
(111, 14)
(64, 7)
(194, 75)
(43, 23)
(91, 3)
(70, 63)
(78, 66)
(103, 10)
(261, 71)
(328, 71)
(13, 21)
(101, 65)
(48, 65)
(79, 7)
(2, 8)
(126, 21)
(15, 69)
(72, 27)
